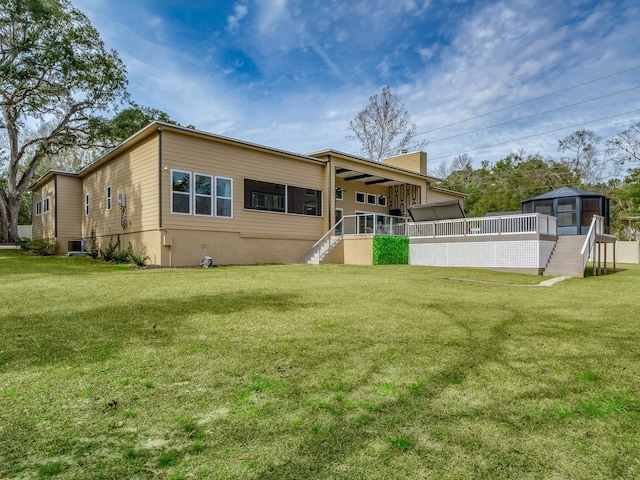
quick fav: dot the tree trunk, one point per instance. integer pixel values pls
(4, 221)
(9, 211)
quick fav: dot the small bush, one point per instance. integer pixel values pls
(23, 243)
(42, 246)
(139, 258)
(113, 253)
(93, 244)
(109, 253)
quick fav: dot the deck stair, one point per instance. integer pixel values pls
(321, 250)
(566, 259)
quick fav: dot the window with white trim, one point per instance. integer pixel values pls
(382, 201)
(224, 197)
(203, 191)
(371, 198)
(45, 205)
(38, 208)
(109, 201)
(339, 194)
(86, 204)
(180, 192)
(360, 197)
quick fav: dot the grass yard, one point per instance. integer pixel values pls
(319, 372)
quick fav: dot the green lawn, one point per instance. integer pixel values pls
(332, 372)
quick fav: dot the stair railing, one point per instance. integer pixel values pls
(596, 229)
(329, 239)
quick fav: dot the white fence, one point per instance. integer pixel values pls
(466, 227)
(25, 231)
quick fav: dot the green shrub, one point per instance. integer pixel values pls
(139, 258)
(23, 243)
(93, 244)
(113, 253)
(109, 253)
(42, 246)
(389, 250)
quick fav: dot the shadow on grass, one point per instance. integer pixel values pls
(324, 447)
(95, 334)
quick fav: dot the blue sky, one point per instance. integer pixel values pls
(291, 74)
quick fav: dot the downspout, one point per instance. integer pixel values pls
(160, 170)
(332, 193)
(55, 209)
(159, 177)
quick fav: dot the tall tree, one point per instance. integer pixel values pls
(384, 127)
(54, 68)
(584, 160)
(625, 146)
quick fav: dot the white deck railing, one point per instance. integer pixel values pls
(372, 223)
(596, 229)
(505, 225)
(361, 224)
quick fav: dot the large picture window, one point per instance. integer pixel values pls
(304, 201)
(203, 189)
(224, 197)
(180, 192)
(275, 197)
(264, 196)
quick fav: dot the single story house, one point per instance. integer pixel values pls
(183, 194)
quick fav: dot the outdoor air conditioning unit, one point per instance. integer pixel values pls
(122, 200)
(76, 248)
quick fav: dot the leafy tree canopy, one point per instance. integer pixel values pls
(127, 122)
(55, 72)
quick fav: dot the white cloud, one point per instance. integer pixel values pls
(240, 11)
(497, 54)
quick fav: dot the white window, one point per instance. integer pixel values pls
(45, 205)
(86, 204)
(371, 199)
(382, 200)
(109, 197)
(224, 197)
(203, 194)
(339, 194)
(360, 197)
(39, 208)
(180, 192)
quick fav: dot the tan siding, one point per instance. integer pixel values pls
(211, 157)
(69, 206)
(44, 225)
(440, 196)
(415, 161)
(134, 173)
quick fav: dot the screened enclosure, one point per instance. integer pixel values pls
(574, 208)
